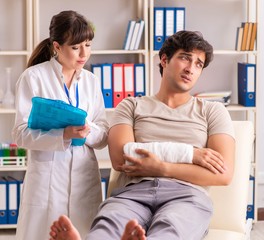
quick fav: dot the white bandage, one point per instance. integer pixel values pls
(166, 151)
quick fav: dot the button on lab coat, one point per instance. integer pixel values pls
(60, 179)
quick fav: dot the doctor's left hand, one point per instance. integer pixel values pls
(76, 132)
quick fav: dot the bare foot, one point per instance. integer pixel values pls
(133, 231)
(63, 230)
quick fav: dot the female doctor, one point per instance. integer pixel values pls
(60, 178)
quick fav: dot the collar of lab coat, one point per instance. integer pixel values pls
(58, 70)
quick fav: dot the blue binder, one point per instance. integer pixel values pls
(247, 84)
(97, 71)
(139, 76)
(12, 204)
(179, 19)
(158, 27)
(251, 198)
(170, 21)
(3, 201)
(129, 33)
(49, 114)
(19, 194)
(107, 86)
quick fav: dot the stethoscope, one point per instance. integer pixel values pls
(76, 94)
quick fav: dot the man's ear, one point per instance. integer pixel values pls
(163, 60)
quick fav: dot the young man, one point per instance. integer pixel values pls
(169, 200)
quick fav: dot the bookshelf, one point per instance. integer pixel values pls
(207, 17)
(16, 30)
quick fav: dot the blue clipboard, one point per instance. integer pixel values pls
(49, 114)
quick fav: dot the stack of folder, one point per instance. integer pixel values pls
(167, 21)
(223, 97)
(246, 36)
(134, 34)
(10, 192)
(120, 80)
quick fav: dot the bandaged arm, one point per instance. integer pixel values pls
(173, 152)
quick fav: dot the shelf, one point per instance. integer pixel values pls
(222, 52)
(234, 52)
(237, 107)
(13, 169)
(14, 53)
(7, 110)
(8, 226)
(103, 164)
(106, 52)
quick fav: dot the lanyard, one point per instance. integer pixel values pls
(76, 94)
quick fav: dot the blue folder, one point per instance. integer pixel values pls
(12, 196)
(107, 84)
(3, 201)
(251, 198)
(49, 114)
(246, 77)
(158, 27)
(139, 78)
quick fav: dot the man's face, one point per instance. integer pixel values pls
(183, 69)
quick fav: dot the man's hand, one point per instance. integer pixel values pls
(208, 158)
(149, 165)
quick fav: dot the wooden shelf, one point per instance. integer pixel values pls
(8, 226)
(112, 52)
(240, 108)
(7, 110)
(14, 53)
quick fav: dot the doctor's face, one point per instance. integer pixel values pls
(73, 57)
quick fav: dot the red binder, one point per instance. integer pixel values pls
(129, 79)
(118, 83)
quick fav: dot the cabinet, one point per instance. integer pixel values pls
(207, 17)
(15, 48)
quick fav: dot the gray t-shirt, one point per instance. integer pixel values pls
(154, 121)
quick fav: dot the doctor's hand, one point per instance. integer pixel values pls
(149, 165)
(76, 132)
(210, 159)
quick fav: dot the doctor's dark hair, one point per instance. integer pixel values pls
(67, 27)
(187, 41)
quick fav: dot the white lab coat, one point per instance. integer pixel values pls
(60, 179)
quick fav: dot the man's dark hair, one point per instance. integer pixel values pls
(187, 41)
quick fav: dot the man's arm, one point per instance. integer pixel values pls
(118, 136)
(151, 166)
(175, 152)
